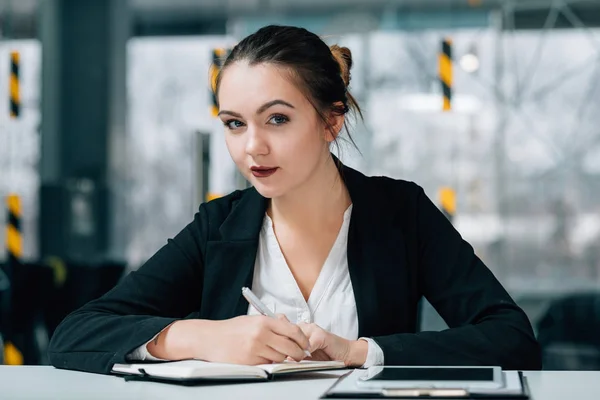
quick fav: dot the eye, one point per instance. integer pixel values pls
(278, 119)
(233, 124)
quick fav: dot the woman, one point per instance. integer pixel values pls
(343, 258)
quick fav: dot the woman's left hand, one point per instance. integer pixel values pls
(327, 346)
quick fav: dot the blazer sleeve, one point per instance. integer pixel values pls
(486, 327)
(166, 288)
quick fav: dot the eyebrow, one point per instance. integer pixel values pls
(261, 109)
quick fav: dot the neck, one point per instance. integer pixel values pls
(322, 199)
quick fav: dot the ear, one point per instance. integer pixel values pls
(335, 123)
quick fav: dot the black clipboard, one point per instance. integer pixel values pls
(525, 393)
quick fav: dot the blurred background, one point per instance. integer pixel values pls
(108, 141)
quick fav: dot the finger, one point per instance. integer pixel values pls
(317, 337)
(284, 345)
(282, 317)
(292, 331)
(272, 355)
(306, 328)
(310, 331)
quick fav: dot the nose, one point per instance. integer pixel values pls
(256, 145)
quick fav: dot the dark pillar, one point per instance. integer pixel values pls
(82, 165)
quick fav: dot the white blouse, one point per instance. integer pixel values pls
(331, 304)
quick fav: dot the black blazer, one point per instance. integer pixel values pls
(400, 248)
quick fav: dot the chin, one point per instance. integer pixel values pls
(268, 191)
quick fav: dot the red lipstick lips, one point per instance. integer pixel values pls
(263, 172)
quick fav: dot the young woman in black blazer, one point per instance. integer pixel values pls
(283, 100)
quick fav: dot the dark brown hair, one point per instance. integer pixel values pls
(321, 72)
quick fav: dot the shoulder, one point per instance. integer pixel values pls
(383, 200)
(398, 198)
(397, 186)
(405, 204)
(379, 184)
(384, 190)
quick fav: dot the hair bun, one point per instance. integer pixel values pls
(343, 56)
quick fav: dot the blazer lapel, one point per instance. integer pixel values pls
(229, 261)
(377, 258)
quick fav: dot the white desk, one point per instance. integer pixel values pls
(42, 382)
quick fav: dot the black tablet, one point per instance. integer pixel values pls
(447, 377)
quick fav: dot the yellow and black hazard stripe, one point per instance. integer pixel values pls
(14, 241)
(218, 58)
(14, 90)
(14, 246)
(445, 61)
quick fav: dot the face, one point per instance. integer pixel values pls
(273, 133)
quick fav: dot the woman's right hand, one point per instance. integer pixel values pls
(245, 339)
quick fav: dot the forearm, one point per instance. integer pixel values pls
(176, 342)
(94, 341)
(488, 343)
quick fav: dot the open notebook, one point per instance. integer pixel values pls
(196, 370)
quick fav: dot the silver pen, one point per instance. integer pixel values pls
(261, 307)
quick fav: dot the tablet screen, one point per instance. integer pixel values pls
(434, 374)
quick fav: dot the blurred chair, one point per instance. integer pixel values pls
(39, 301)
(569, 333)
(30, 287)
(83, 283)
